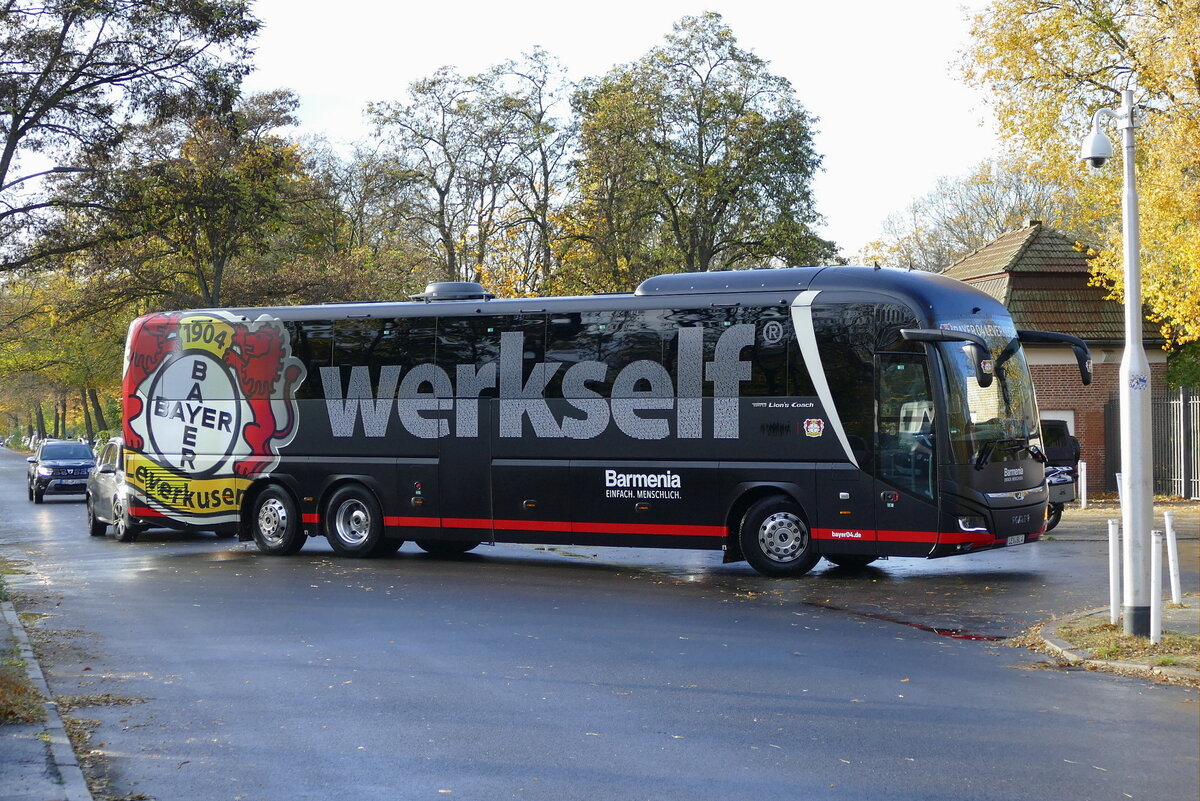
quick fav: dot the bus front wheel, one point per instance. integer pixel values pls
(276, 523)
(775, 539)
(354, 523)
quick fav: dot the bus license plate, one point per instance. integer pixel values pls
(1017, 540)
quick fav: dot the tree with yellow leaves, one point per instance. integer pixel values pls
(1050, 64)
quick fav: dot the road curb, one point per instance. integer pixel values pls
(74, 786)
(1084, 657)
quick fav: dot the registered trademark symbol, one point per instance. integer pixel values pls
(772, 332)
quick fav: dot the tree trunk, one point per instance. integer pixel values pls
(41, 421)
(87, 417)
(62, 411)
(97, 411)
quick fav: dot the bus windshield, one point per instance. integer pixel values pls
(997, 422)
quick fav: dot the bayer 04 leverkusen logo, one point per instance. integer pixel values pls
(209, 401)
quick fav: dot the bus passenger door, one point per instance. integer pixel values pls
(905, 453)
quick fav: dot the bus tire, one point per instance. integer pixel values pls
(447, 547)
(852, 561)
(354, 523)
(775, 539)
(275, 523)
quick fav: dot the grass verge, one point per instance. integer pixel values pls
(1109, 642)
(20, 702)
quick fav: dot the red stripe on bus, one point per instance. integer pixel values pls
(564, 526)
(647, 528)
(869, 535)
(414, 522)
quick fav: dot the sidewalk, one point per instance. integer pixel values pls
(36, 760)
(1184, 621)
(1092, 524)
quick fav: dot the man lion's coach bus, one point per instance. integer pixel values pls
(780, 416)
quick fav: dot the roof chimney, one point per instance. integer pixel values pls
(1032, 223)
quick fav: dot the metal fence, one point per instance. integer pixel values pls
(1175, 430)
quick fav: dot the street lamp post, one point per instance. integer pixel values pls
(1137, 510)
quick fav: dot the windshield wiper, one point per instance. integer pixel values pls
(985, 452)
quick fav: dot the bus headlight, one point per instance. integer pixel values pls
(972, 523)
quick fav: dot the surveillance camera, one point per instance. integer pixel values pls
(1096, 150)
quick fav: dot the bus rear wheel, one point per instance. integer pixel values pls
(775, 539)
(354, 523)
(276, 523)
(447, 547)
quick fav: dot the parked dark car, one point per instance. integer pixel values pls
(1062, 467)
(59, 468)
(106, 494)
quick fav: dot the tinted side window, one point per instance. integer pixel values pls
(404, 342)
(613, 338)
(312, 343)
(475, 343)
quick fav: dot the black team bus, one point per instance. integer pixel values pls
(779, 416)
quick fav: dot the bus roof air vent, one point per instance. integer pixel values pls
(453, 290)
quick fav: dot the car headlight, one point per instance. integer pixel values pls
(45, 471)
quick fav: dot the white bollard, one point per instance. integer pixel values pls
(1114, 570)
(1156, 587)
(1173, 558)
(1082, 485)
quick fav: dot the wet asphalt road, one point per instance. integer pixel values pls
(581, 673)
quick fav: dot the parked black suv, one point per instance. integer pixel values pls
(59, 468)
(1062, 467)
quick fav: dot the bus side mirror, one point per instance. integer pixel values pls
(985, 368)
(1083, 356)
(975, 347)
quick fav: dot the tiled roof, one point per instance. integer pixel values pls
(1042, 277)
(1033, 248)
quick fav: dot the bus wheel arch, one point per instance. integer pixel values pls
(775, 537)
(274, 521)
(747, 495)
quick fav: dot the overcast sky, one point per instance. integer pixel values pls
(881, 75)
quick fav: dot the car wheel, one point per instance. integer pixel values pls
(775, 539)
(29, 487)
(96, 527)
(447, 547)
(1054, 517)
(123, 528)
(276, 523)
(354, 523)
(38, 496)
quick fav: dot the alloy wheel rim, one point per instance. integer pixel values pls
(352, 522)
(272, 521)
(782, 537)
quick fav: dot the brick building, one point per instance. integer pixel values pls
(1042, 278)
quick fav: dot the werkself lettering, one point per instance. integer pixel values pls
(429, 403)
